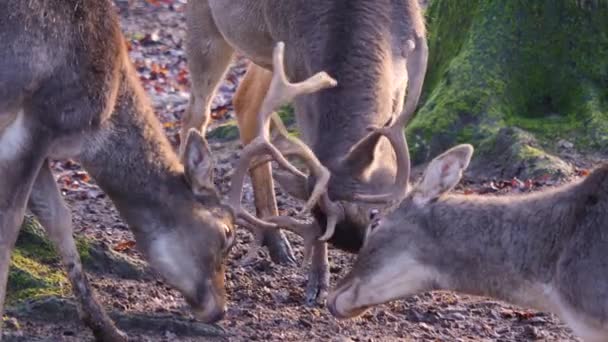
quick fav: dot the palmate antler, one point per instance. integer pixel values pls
(280, 92)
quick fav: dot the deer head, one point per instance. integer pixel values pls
(387, 266)
(177, 254)
(332, 195)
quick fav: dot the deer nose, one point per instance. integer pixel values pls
(218, 315)
(211, 315)
(331, 306)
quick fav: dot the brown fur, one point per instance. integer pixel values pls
(68, 90)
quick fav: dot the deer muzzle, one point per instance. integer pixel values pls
(342, 302)
(209, 306)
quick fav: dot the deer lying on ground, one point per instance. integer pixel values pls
(68, 90)
(546, 250)
(370, 48)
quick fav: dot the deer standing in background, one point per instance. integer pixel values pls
(375, 50)
(68, 90)
(546, 250)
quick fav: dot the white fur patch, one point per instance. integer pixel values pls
(172, 265)
(13, 138)
(396, 279)
(576, 321)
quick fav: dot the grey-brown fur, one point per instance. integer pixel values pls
(545, 250)
(363, 44)
(68, 90)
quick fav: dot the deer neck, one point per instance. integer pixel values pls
(506, 248)
(133, 162)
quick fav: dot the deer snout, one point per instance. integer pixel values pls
(210, 314)
(342, 301)
(209, 305)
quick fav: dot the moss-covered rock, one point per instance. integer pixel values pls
(514, 152)
(36, 270)
(35, 267)
(541, 66)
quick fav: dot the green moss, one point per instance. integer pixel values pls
(230, 130)
(28, 278)
(286, 114)
(226, 131)
(36, 269)
(33, 243)
(83, 246)
(496, 64)
(527, 152)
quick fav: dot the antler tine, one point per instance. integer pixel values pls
(258, 240)
(280, 92)
(334, 213)
(417, 54)
(308, 232)
(291, 146)
(396, 136)
(258, 145)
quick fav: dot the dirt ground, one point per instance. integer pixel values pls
(265, 300)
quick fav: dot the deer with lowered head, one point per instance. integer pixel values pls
(375, 51)
(546, 250)
(68, 90)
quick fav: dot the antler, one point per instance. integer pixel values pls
(394, 129)
(280, 92)
(308, 231)
(294, 147)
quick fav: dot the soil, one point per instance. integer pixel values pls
(265, 299)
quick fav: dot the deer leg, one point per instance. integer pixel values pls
(318, 275)
(19, 165)
(50, 209)
(247, 102)
(10, 221)
(209, 56)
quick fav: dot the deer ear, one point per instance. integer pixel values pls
(443, 173)
(361, 155)
(198, 162)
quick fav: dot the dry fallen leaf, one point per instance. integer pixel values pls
(124, 245)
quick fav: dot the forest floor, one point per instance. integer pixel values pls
(265, 300)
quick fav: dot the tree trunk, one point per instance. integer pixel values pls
(513, 77)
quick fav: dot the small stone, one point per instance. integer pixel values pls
(536, 320)
(456, 316)
(533, 333)
(11, 323)
(425, 327)
(305, 323)
(565, 144)
(280, 296)
(345, 339)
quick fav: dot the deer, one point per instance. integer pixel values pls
(367, 59)
(69, 90)
(544, 250)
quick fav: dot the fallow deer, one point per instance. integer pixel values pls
(371, 48)
(68, 90)
(546, 250)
